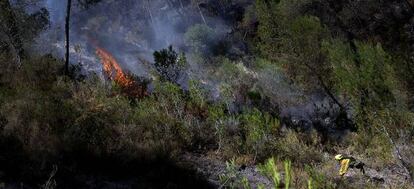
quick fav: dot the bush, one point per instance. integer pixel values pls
(96, 117)
(163, 117)
(293, 146)
(319, 180)
(49, 115)
(259, 129)
(31, 105)
(169, 64)
(200, 38)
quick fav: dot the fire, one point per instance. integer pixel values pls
(112, 69)
(114, 72)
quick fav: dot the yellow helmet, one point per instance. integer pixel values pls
(339, 157)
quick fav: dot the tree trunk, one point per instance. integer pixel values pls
(68, 7)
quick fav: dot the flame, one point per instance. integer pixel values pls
(112, 69)
(114, 72)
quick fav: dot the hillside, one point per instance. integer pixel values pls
(206, 93)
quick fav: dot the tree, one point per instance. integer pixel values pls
(294, 42)
(372, 87)
(67, 21)
(169, 64)
(200, 38)
(268, 29)
(9, 27)
(17, 27)
(371, 84)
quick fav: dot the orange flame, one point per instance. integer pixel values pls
(112, 69)
(114, 72)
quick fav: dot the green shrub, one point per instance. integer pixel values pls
(97, 117)
(200, 37)
(233, 178)
(293, 146)
(163, 116)
(270, 170)
(369, 77)
(31, 109)
(216, 117)
(169, 64)
(318, 180)
(288, 173)
(198, 96)
(258, 128)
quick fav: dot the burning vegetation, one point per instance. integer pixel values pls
(129, 85)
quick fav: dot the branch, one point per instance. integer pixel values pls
(201, 14)
(404, 164)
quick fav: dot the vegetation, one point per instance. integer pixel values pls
(200, 38)
(237, 110)
(169, 64)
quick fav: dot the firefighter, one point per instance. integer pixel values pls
(349, 162)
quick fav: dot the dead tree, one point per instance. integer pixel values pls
(67, 23)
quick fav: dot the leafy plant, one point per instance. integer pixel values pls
(258, 128)
(270, 170)
(318, 180)
(200, 37)
(288, 173)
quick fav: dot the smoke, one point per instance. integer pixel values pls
(130, 29)
(56, 11)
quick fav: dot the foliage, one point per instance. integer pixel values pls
(288, 173)
(18, 28)
(268, 30)
(217, 118)
(318, 180)
(169, 64)
(197, 94)
(87, 116)
(258, 128)
(200, 38)
(294, 42)
(299, 148)
(97, 117)
(305, 63)
(270, 169)
(371, 76)
(45, 115)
